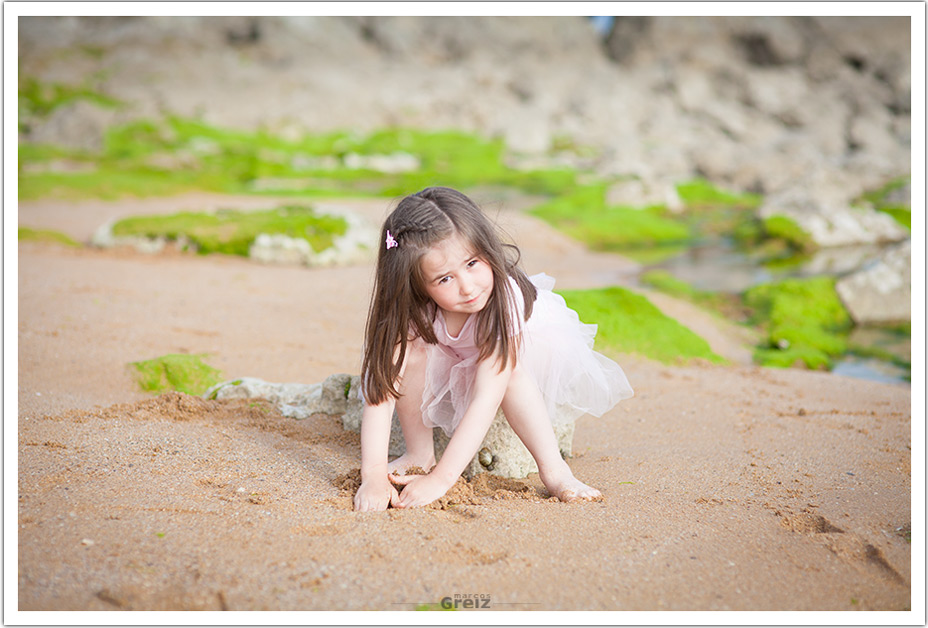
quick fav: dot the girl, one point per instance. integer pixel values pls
(455, 331)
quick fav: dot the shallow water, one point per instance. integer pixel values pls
(870, 369)
(718, 266)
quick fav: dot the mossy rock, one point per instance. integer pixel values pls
(583, 214)
(630, 323)
(885, 199)
(174, 155)
(788, 230)
(232, 232)
(180, 372)
(46, 235)
(699, 194)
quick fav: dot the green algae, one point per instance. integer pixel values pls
(786, 229)
(172, 155)
(803, 320)
(629, 323)
(232, 232)
(46, 235)
(178, 372)
(584, 214)
(699, 194)
(879, 199)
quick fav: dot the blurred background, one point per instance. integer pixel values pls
(736, 159)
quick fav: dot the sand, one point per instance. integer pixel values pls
(725, 487)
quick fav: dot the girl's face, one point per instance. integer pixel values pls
(456, 279)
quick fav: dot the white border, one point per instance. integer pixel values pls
(13, 10)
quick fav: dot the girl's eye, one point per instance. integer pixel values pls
(444, 279)
(472, 263)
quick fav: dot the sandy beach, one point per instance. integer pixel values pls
(726, 487)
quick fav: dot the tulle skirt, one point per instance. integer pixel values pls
(557, 353)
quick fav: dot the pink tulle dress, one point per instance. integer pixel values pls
(557, 352)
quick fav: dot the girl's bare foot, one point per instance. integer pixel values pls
(567, 488)
(407, 461)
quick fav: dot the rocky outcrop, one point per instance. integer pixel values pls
(502, 453)
(752, 103)
(830, 220)
(354, 246)
(809, 111)
(882, 291)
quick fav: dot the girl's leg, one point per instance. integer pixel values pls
(525, 410)
(420, 448)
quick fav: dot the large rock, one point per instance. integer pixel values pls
(297, 401)
(822, 208)
(882, 291)
(502, 453)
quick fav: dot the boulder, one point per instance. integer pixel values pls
(880, 292)
(502, 453)
(821, 206)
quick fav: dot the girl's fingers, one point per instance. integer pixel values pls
(403, 480)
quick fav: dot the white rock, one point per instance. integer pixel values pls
(640, 194)
(391, 164)
(830, 220)
(880, 292)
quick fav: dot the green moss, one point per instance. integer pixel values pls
(699, 193)
(583, 214)
(900, 213)
(180, 372)
(803, 320)
(46, 235)
(788, 230)
(176, 154)
(232, 232)
(38, 99)
(667, 283)
(879, 200)
(629, 323)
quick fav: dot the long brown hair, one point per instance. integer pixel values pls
(401, 310)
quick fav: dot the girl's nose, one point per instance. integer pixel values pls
(466, 286)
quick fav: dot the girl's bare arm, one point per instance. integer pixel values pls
(489, 387)
(376, 492)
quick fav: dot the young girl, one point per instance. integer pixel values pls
(455, 331)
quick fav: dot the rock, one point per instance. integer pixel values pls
(528, 131)
(80, 125)
(824, 212)
(104, 237)
(781, 93)
(280, 249)
(391, 164)
(510, 458)
(340, 395)
(882, 291)
(749, 102)
(639, 194)
(507, 455)
(297, 401)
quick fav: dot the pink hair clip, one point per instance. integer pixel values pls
(390, 241)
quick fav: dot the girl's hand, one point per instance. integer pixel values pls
(419, 490)
(375, 494)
